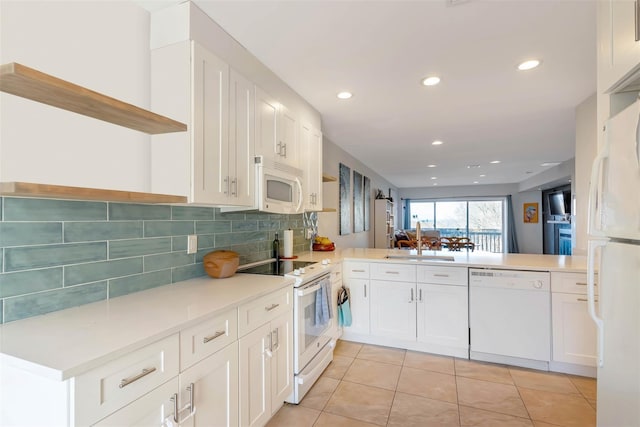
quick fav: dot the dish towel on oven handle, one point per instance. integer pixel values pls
(323, 303)
(344, 308)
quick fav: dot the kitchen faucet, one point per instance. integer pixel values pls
(418, 238)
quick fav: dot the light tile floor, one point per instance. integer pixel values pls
(368, 386)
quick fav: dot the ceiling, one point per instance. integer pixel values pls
(483, 110)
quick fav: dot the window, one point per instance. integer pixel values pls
(481, 220)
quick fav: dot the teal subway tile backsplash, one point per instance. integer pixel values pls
(26, 282)
(139, 282)
(191, 212)
(92, 231)
(167, 228)
(136, 247)
(18, 209)
(170, 260)
(30, 233)
(46, 302)
(30, 257)
(95, 271)
(132, 212)
(56, 254)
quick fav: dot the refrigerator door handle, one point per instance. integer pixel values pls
(591, 301)
(594, 201)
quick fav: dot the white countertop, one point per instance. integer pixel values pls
(462, 259)
(63, 344)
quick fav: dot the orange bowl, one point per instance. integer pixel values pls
(323, 247)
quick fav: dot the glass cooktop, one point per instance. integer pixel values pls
(276, 268)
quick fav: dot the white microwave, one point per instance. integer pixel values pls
(278, 187)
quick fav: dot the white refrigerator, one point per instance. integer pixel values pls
(614, 253)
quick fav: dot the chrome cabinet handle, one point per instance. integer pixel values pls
(279, 148)
(637, 19)
(411, 300)
(420, 295)
(284, 147)
(234, 182)
(191, 388)
(581, 284)
(365, 291)
(440, 275)
(174, 399)
(271, 307)
(126, 381)
(226, 182)
(275, 346)
(357, 271)
(213, 337)
(392, 272)
(585, 300)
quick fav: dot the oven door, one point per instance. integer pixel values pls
(312, 326)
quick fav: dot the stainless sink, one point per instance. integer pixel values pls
(423, 257)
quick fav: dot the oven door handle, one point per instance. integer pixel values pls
(309, 290)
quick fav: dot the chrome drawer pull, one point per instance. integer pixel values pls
(585, 300)
(392, 272)
(358, 271)
(125, 382)
(271, 307)
(213, 337)
(440, 275)
(581, 284)
(174, 399)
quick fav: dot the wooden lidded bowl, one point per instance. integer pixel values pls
(221, 264)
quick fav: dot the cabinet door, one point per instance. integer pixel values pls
(287, 133)
(359, 304)
(574, 333)
(241, 140)
(443, 315)
(151, 410)
(336, 284)
(266, 124)
(282, 360)
(210, 176)
(625, 50)
(213, 385)
(393, 309)
(255, 377)
(311, 159)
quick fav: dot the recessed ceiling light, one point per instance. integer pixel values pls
(495, 162)
(344, 95)
(472, 166)
(434, 177)
(431, 166)
(435, 183)
(549, 164)
(528, 65)
(431, 81)
(475, 182)
(482, 176)
(437, 143)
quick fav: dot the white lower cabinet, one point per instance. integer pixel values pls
(209, 390)
(266, 370)
(359, 291)
(443, 319)
(393, 309)
(574, 342)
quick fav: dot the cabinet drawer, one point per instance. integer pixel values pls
(442, 275)
(255, 313)
(207, 337)
(356, 270)
(571, 283)
(115, 384)
(393, 272)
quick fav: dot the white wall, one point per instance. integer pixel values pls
(586, 148)
(103, 46)
(328, 222)
(529, 234)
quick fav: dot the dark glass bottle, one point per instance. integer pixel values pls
(276, 247)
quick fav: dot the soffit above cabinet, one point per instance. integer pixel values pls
(32, 84)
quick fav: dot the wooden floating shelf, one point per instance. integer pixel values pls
(329, 210)
(32, 84)
(27, 189)
(328, 178)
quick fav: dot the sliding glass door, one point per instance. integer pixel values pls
(481, 220)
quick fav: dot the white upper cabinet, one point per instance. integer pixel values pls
(213, 164)
(618, 40)
(276, 130)
(311, 162)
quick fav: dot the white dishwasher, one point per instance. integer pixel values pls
(510, 317)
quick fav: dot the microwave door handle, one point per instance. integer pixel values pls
(299, 195)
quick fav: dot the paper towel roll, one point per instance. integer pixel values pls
(288, 244)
